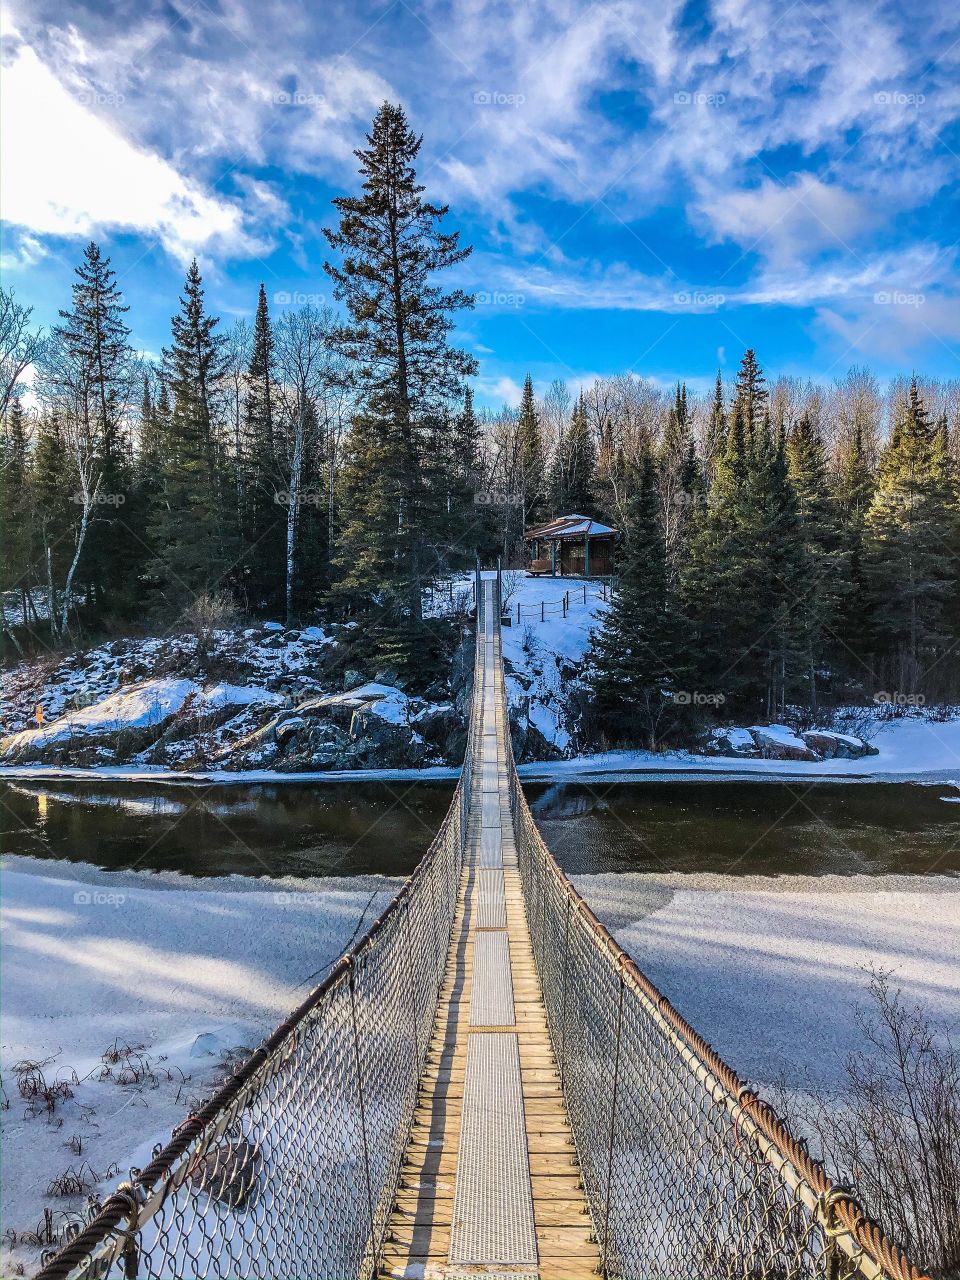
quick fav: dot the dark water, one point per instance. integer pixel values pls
(752, 828)
(740, 828)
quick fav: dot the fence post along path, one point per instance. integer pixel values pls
(485, 1084)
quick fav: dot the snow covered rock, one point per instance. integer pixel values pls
(733, 742)
(837, 746)
(778, 742)
(127, 720)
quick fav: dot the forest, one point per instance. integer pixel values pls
(782, 543)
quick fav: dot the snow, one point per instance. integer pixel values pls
(134, 707)
(781, 735)
(239, 695)
(383, 700)
(771, 970)
(541, 655)
(908, 747)
(183, 969)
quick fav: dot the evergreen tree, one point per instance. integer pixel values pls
(531, 457)
(264, 520)
(752, 398)
(911, 546)
(95, 338)
(14, 499)
(716, 428)
(681, 482)
(630, 665)
(398, 341)
(855, 488)
(823, 587)
(188, 524)
(572, 472)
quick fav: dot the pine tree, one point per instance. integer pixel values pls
(752, 398)
(572, 473)
(855, 488)
(95, 337)
(263, 530)
(681, 484)
(911, 544)
(189, 526)
(823, 587)
(716, 428)
(531, 457)
(14, 499)
(407, 371)
(630, 665)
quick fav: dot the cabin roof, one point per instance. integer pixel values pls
(572, 526)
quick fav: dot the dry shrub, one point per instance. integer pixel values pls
(895, 1134)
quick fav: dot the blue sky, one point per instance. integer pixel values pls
(648, 186)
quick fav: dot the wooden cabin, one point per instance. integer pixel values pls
(571, 547)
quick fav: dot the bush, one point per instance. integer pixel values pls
(895, 1136)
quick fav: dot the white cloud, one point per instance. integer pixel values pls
(788, 221)
(69, 171)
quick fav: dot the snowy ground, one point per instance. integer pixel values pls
(908, 747)
(771, 971)
(184, 972)
(544, 644)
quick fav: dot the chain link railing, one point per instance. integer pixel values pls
(291, 1169)
(688, 1174)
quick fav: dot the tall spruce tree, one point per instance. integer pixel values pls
(752, 397)
(263, 518)
(572, 471)
(531, 457)
(190, 525)
(911, 543)
(633, 657)
(392, 246)
(822, 587)
(95, 338)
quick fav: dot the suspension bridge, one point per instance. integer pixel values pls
(484, 1085)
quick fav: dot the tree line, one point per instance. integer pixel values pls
(782, 544)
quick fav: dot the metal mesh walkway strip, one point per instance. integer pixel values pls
(491, 903)
(491, 1000)
(493, 1207)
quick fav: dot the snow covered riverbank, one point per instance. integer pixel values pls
(771, 970)
(143, 988)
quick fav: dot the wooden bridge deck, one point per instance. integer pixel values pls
(490, 1184)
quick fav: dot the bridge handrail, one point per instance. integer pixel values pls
(239, 1151)
(815, 1218)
